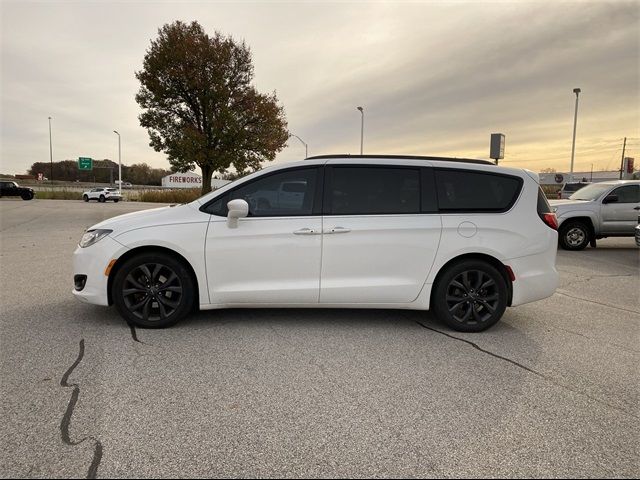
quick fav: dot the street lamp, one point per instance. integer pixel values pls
(306, 148)
(50, 153)
(119, 164)
(361, 129)
(575, 123)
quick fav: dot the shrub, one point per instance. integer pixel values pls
(551, 191)
(170, 196)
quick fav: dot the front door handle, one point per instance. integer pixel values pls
(636, 208)
(306, 231)
(339, 230)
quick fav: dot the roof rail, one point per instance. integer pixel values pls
(402, 157)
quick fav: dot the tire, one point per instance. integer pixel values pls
(26, 196)
(165, 301)
(102, 199)
(574, 235)
(470, 296)
(85, 198)
(115, 200)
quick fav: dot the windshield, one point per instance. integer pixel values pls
(590, 192)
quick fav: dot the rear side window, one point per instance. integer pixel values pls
(373, 190)
(467, 191)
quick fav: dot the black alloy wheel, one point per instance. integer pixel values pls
(470, 296)
(102, 199)
(153, 291)
(85, 198)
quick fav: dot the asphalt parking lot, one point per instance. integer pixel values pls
(551, 391)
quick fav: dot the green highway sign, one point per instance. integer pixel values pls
(85, 163)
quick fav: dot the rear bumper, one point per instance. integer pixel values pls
(536, 277)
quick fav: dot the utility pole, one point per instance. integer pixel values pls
(361, 129)
(306, 147)
(50, 154)
(624, 146)
(575, 123)
(119, 164)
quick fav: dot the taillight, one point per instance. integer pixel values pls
(559, 195)
(550, 219)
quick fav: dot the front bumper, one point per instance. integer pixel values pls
(92, 262)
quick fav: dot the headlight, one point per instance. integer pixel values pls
(92, 236)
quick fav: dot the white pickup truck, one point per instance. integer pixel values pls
(599, 210)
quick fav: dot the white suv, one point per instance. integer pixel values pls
(102, 194)
(463, 237)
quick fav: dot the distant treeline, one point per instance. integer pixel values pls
(67, 170)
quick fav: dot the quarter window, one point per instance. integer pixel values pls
(374, 190)
(467, 191)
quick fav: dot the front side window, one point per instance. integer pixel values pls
(628, 194)
(290, 193)
(467, 191)
(374, 190)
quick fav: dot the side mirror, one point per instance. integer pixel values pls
(610, 199)
(238, 208)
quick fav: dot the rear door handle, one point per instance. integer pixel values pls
(339, 230)
(306, 231)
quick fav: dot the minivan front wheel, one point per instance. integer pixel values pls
(574, 236)
(153, 290)
(470, 296)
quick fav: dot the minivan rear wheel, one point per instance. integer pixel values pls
(153, 290)
(470, 296)
(574, 235)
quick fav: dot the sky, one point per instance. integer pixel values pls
(434, 77)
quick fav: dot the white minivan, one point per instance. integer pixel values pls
(464, 238)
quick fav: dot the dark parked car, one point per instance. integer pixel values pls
(9, 188)
(570, 188)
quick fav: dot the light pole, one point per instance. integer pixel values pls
(119, 164)
(50, 153)
(575, 123)
(361, 129)
(306, 147)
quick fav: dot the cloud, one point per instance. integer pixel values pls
(434, 78)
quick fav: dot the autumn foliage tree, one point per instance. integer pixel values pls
(200, 107)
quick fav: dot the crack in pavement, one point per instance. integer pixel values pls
(593, 277)
(519, 365)
(134, 334)
(66, 419)
(561, 292)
